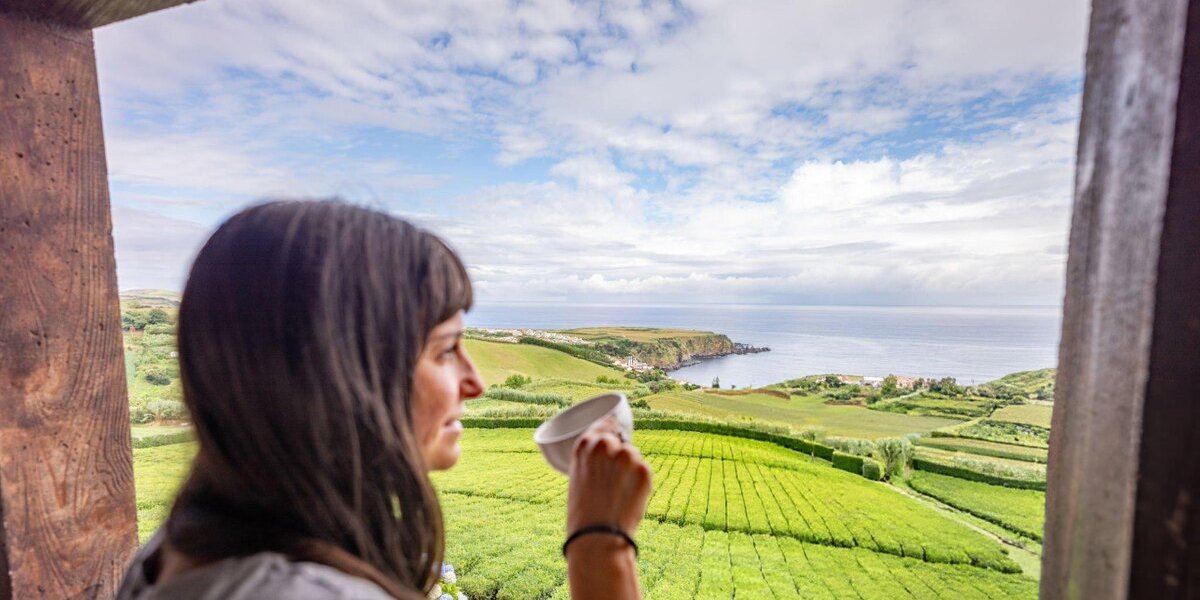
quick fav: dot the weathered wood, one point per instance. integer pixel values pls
(1124, 158)
(1166, 539)
(66, 477)
(85, 14)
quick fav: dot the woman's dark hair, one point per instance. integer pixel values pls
(299, 329)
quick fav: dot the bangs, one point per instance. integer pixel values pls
(448, 287)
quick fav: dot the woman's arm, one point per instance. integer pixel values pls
(610, 484)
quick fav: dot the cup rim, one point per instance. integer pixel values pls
(539, 435)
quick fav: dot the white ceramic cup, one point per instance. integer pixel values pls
(556, 437)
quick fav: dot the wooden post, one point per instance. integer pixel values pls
(1166, 538)
(66, 474)
(1123, 467)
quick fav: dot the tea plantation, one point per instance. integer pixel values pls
(728, 517)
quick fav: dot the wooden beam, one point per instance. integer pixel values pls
(85, 14)
(1166, 539)
(66, 476)
(1110, 322)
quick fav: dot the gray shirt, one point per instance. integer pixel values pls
(262, 576)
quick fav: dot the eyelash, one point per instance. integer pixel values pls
(451, 350)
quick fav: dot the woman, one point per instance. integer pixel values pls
(321, 360)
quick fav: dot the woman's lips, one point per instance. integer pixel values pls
(454, 426)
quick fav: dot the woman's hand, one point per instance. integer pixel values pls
(609, 481)
(610, 485)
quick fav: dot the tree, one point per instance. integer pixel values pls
(812, 435)
(895, 453)
(889, 387)
(716, 383)
(832, 381)
(517, 380)
(157, 316)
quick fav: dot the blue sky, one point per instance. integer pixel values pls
(853, 152)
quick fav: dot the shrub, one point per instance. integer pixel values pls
(528, 397)
(963, 471)
(871, 469)
(140, 415)
(164, 439)
(517, 380)
(847, 462)
(156, 373)
(895, 453)
(852, 445)
(160, 329)
(607, 379)
(171, 410)
(588, 354)
(691, 386)
(640, 403)
(660, 385)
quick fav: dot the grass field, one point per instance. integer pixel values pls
(1021, 511)
(986, 448)
(637, 334)
(157, 473)
(1028, 414)
(729, 517)
(578, 390)
(799, 412)
(143, 431)
(949, 456)
(935, 405)
(497, 360)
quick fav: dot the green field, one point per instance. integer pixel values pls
(1028, 414)
(936, 405)
(1021, 511)
(636, 334)
(985, 448)
(497, 360)
(799, 412)
(145, 431)
(728, 517)
(157, 473)
(578, 390)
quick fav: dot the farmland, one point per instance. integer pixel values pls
(798, 412)
(1021, 511)
(496, 361)
(728, 516)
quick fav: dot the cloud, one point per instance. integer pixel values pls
(907, 151)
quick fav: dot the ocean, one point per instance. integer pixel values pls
(971, 344)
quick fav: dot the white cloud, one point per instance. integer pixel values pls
(698, 151)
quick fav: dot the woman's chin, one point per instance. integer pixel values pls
(446, 456)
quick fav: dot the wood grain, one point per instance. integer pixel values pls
(66, 478)
(85, 14)
(1122, 169)
(1166, 541)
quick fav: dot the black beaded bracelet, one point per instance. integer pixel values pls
(600, 529)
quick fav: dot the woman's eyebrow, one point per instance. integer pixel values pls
(448, 334)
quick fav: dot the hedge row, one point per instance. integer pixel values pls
(819, 450)
(511, 395)
(1016, 454)
(847, 462)
(164, 439)
(587, 354)
(922, 464)
(871, 469)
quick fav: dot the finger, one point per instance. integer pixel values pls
(608, 424)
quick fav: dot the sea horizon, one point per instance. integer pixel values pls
(973, 344)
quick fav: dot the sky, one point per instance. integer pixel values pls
(885, 152)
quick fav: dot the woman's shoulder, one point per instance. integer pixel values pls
(266, 575)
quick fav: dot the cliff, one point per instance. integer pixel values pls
(663, 348)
